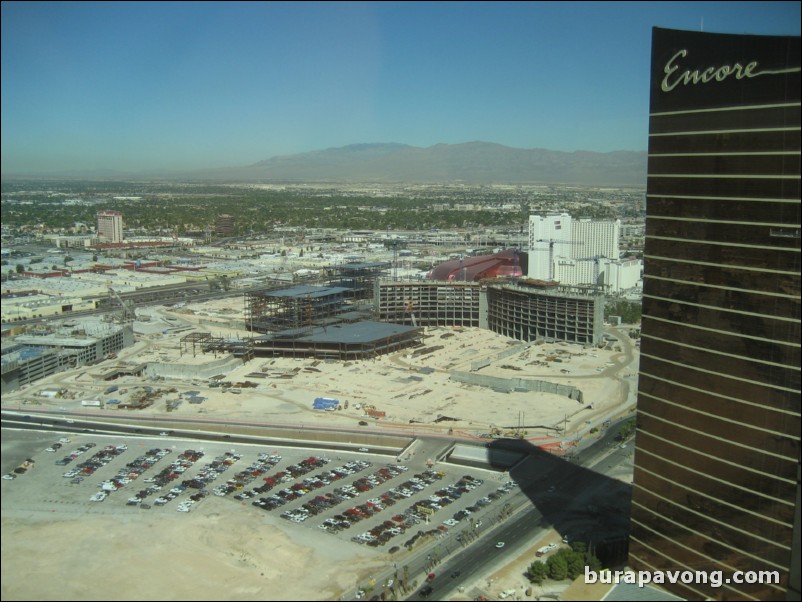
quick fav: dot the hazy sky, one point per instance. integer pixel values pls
(184, 85)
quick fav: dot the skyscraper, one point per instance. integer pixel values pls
(549, 237)
(717, 462)
(224, 225)
(110, 225)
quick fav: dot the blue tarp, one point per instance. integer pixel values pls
(325, 403)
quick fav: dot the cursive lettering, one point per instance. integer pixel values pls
(719, 74)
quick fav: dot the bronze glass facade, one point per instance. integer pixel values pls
(717, 461)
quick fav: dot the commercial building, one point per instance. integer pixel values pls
(511, 263)
(224, 225)
(110, 226)
(580, 252)
(549, 237)
(29, 358)
(717, 462)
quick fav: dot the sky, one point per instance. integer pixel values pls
(189, 85)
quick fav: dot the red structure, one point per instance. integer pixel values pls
(507, 263)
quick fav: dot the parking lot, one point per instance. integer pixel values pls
(362, 500)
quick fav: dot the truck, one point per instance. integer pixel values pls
(545, 549)
(94, 403)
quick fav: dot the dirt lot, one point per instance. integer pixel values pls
(57, 545)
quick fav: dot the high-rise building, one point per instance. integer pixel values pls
(110, 226)
(549, 237)
(579, 252)
(595, 238)
(717, 461)
(224, 225)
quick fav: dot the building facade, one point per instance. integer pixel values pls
(519, 311)
(110, 226)
(717, 462)
(595, 238)
(580, 252)
(550, 236)
(224, 225)
(30, 358)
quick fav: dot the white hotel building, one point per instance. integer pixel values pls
(580, 252)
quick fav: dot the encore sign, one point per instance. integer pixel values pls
(719, 74)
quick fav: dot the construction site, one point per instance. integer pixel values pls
(523, 310)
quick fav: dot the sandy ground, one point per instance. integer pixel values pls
(210, 557)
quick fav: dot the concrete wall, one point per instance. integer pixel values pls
(517, 384)
(190, 371)
(478, 456)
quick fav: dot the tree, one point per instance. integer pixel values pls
(558, 567)
(20, 268)
(537, 572)
(627, 430)
(575, 563)
(593, 562)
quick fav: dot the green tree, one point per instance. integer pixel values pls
(537, 572)
(593, 562)
(20, 268)
(627, 430)
(575, 563)
(558, 567)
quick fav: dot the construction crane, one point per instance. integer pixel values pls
(128, 313)
(551, 242)
(411, 311)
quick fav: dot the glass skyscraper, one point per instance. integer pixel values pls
(717, 461)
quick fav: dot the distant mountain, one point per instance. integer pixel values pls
(474, 162)
(471, 162)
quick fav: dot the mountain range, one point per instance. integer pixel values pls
(471, 162)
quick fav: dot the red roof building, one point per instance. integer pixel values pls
(506, 263)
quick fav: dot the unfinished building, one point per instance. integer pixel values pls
(431, 303)
(526, 311)
(358, 277)
(530, 313)
(315, 321)
(355, 341)
(296, 307)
